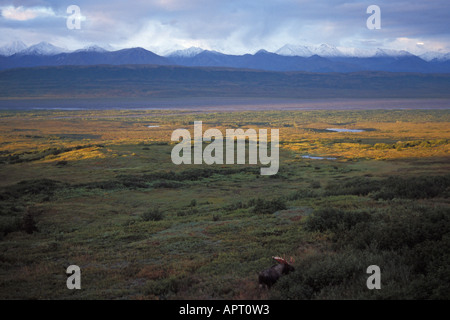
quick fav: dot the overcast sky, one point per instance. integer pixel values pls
(230, 26)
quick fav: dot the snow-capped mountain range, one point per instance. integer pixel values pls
(290, 50)
(41, 49)
(328, 51)
(311, 58)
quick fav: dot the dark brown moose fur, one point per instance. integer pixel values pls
(269, 276)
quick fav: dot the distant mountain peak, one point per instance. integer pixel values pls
(435, 55)
(262, 51)
(323, 50)
(326, 50)
(12, 48)
(92, 48)
(295, 50)
(136, 49)
(391, 53)
(217, 53)
(42, 49)
(186, 53)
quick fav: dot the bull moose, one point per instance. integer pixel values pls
(268, 277)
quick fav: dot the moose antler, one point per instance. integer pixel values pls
(283, 260)
(279, 260)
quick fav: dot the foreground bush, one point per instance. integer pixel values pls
(9, 224)
(269, 206)
(409, 242)
(334, 219)
(343, 276)
(423, 187)
(152, 215)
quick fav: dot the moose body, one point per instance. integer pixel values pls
(269, 276)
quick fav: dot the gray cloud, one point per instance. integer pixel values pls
(235, 26)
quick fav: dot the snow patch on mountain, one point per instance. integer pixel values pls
(295, 50)
(42, 49)
(357, 52)
(326, 50)
(391, 53)
(435, 55)
(92, 48)
(186, 53)
(323, 50)
(12, 48)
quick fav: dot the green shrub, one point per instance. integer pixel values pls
(410, 243)
(359, 186)
(342, 275)
(234, 206)
(302, 194)
(413, 188)
(32, 187)
(167, 184)
(269, 206)
(318, 272)
(152, 215)
(315, 184)
(400, 228)
(28, 220)
(334, 219)
(9, 224)
(422, 187)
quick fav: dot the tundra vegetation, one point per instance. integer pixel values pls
(98, 189)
